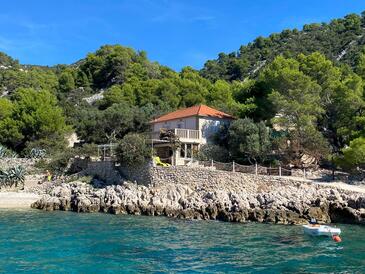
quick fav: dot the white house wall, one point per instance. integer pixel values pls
(186, 123)
(208, 126)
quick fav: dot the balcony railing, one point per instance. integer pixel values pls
(183, 134)
(187, 133)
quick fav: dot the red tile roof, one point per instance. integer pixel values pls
(200, 110)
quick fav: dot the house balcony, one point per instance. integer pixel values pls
(184, 135)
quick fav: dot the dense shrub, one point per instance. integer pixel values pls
(133, 150)
(213, 152)
(353, 156)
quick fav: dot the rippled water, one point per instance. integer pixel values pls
(64, 242)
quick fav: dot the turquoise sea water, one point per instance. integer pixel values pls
(65, 242)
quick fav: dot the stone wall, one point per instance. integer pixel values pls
(105, 171)
(140, 174)
(195, 177)
(200, 177)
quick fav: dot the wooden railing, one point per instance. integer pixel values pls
(253, 169)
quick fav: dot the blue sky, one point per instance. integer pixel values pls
(175, 33)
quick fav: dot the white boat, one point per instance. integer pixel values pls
(321, 230)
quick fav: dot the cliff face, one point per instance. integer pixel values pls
(256, 198)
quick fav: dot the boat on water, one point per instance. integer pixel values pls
(321, 230)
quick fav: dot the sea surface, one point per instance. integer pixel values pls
(34, 241)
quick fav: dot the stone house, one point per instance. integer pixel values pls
(193, 126)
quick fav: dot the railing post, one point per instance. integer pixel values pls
(233, 167)
(256, 169)
(279, 171)
(212, 163)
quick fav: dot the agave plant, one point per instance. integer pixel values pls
(17, 175)
(7, 153)
(37, 153)
(13, 176)
(3, 178)
(3, 151)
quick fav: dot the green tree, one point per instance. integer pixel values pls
(117, 94)
(82, 80)
(35, 116)
(213, 152)
(6, 108)
(297, 101)
(36, 78)
(66, 82)
(249, 141)
(94, 125)
(133, 150)
(294, 95)
(354, 155)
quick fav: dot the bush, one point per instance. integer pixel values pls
(41, 148)
(59, 161)
(353, 156)
(213, 152)
(133, 150)
(87, 150)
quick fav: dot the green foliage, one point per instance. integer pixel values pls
(34, 77)
(114, 65)
(213, 152)
(6, 108)
(294, 95)
(96, 126)
(66, 82)
(87, 150)
(329, 39)
(59, 161)
(35, 115)
(7, 61)
(133, 150)
(353, 156)
(249, 141)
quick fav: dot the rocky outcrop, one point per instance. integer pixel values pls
(276, 201)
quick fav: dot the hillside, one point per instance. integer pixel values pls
(303, 88)
(341, 41)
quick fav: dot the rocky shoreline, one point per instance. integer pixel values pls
(280, 201)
